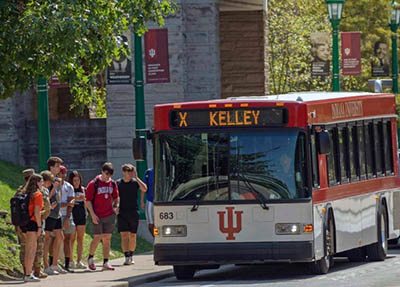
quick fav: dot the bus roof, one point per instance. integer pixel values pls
(305, 108)
(306, 96)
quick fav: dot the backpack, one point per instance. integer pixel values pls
(20, 209)
(96, 186)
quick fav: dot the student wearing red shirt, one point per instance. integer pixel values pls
(102, 201)
(34, 228)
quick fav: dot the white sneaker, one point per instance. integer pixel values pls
(80, 265)
(50, 271)
(131, 259)
(72, 265)
(108, 266)
(31, 278)
(60, 270)
(127, 261)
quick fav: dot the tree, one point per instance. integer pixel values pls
(74, 39)
(293, 21)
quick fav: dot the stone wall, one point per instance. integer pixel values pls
(243, 53)
(8, 138)
(80, 143)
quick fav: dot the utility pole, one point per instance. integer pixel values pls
(44, 146)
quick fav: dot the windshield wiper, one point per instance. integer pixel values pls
(259, 196)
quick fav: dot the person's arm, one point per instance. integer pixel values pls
(142, 185)
(38, 203)
(115, 196)
(142, 206)
(53, 190)
(89, 205)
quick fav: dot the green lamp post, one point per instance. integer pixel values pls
(394, 25)
(44, 146)
(335, 8)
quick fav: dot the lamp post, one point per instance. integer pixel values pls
(44, 146)
(335, 8)
(394, 25)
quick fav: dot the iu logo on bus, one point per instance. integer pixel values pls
(230, 229)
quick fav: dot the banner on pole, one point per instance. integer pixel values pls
(380, 63)
(351, 53)
(120, 71)
(156, 56)
(321, 52)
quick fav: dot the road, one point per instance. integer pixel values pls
(343, 274)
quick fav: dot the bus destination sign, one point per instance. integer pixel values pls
(235, 117)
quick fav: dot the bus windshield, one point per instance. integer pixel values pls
(230, 166)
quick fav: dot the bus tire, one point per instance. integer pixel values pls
(378, 250)
(322, 266)
(184, 272)
(357, 254)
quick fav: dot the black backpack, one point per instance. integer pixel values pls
(20, 209)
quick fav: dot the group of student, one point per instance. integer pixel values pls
(58, 207)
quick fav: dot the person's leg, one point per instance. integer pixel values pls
(37, 263)
(106, 245)
(21, 241)
(151, 229)
(125, 241)
(132, 243)
(51, 247)
(59, 237)
(80, 233)
(31, 242)
(46, 247)
(73, 236)
(108, 227)
(67, 249)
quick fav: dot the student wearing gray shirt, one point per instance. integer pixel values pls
(53, 222)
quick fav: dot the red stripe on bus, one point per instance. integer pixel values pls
(356, 188)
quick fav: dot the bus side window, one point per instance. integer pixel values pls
(369, 156)
(361, 151)
(377, 145)
(333, 158)
(353, 155)
(343, 155)
(387, 135)
(314, 160)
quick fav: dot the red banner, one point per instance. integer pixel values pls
(351, 53)
(157, 58)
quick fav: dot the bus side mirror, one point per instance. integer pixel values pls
(139, 148)
(323, 142)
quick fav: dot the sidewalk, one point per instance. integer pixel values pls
(141, 272)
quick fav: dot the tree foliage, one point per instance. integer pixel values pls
(291, 24)
(74, 39)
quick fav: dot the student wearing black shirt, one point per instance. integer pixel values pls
(128, 215)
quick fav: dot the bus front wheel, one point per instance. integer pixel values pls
(184, 272)
(378, 250)
(322, 266)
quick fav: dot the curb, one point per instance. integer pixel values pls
(147, 278)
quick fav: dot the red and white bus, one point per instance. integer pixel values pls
(284, 178)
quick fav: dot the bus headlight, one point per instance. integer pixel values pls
(174, 230)
(288, 228)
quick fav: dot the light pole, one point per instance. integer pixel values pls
(44, 146)
(335, 8)
(394, 25)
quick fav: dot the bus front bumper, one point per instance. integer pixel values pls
(232, 253)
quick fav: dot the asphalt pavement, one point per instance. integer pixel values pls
(343, 274)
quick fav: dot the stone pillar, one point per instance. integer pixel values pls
(193, 45)
(244, 63)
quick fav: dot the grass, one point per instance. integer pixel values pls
(10, 179)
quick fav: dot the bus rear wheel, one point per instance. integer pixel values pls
(322, 266)
(184, 272)
(378, 250)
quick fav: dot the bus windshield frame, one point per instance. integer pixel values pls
(220, 166)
